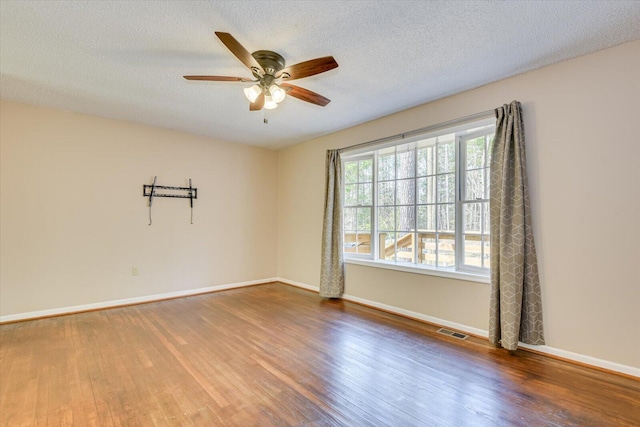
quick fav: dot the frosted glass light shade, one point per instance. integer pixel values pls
(277, 93)
(252, 93)
(269, 103)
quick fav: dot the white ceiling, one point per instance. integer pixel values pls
(125, 59)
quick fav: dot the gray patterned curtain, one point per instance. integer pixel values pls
(332, 266)
(516, 305)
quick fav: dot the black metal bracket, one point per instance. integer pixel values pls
(150, 192)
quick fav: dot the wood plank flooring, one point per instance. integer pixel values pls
(275, 355)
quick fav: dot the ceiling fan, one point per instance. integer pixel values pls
(271, 75)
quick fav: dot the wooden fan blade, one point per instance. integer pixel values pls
(309, 68)
(257, 106)
(305, 95)
(238, 50)
(218, 78)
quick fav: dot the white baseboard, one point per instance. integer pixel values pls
(564, 354)
(127, 301)
(298, 284)
(584, 359)
(419, 316)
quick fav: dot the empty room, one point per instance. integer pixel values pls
(319, 213)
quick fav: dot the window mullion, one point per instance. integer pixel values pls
(436, 204)
(395, 205)
(460, 186)
(375, 250)
(416, 242)
(484, 189)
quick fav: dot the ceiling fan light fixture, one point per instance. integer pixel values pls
(277, 93)
(252, 93)
(269, 103)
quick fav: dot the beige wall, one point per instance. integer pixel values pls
(581, 122)
(74, 222)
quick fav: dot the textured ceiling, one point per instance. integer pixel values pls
(125, 59)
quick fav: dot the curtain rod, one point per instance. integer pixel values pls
(421, 130)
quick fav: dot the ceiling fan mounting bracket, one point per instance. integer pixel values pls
(271, 62)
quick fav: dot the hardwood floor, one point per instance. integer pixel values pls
(275, 355)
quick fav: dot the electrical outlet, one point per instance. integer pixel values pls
(135, 271)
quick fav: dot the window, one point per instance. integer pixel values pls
(474, 200)
(358, 205)
(422, 202)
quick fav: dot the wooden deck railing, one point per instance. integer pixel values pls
(403, 248)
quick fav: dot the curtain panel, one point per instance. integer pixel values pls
(515, 298)
(332, 263)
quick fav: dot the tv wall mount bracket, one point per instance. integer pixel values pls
(150, 191)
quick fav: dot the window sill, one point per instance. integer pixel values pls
(408, 268)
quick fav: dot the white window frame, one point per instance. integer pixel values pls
(461, 201)
(462, 132)
(373, 201)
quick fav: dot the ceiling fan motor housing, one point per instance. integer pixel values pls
(271, 62)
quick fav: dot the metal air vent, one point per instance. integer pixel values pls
(453, 334)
